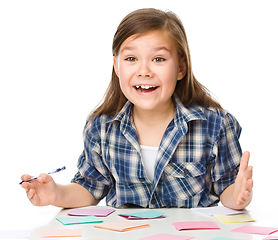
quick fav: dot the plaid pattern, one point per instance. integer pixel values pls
(197, 159)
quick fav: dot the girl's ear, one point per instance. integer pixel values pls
(115, 64)
(182, 70)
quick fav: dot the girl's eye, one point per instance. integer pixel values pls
(159, 59)
(131, 59)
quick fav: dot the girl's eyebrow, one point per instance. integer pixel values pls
(161, 48)
(127, 48)
(156, 49)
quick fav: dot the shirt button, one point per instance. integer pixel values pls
(186, 171)
(142, 179)
(153, 201)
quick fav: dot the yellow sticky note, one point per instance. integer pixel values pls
(239, 218)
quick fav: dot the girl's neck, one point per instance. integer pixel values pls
(151, 125)
(154, 117)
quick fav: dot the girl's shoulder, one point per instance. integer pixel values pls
(102, 123)
(225, 119)
(216, 112)
(96, 125)
(200, 111)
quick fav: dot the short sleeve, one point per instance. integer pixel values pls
(92, 173)
(228, 154)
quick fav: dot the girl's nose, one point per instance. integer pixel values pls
(144, 70)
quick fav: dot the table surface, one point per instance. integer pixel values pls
(46, 219)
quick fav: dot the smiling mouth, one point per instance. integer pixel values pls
(145, 88)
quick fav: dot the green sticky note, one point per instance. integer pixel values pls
(145, 214)
(79, 220)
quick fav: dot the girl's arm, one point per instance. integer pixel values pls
(239, 195)
(74, 195)
(44, 191)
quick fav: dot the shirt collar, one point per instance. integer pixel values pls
(183, 114)
(125, 112)
(188, 113)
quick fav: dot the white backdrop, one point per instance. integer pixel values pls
(56, 62)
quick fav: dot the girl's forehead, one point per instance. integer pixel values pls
(154, 38)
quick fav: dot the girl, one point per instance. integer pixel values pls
(158, 139)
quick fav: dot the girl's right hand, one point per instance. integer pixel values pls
(42, 191)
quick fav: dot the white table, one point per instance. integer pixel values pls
(263, 216)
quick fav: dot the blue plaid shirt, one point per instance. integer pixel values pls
(197, 159)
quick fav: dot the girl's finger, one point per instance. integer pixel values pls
(25, 177)
(244, 161)
(26, 186)
(249, 173)
(249, 185)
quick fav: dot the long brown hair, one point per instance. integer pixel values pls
(142, 21)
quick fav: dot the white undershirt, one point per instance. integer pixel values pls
(148, 157)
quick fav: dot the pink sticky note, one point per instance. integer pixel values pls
(166, 237)
(98, 212)
(255, 230)
(196, 225)
(47, 233)
(121, 226)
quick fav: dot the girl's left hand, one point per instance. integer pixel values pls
(244, 183)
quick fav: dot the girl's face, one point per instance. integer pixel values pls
(148, 68)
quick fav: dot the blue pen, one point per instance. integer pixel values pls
(34, 178)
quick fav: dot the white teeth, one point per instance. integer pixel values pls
(145, 86)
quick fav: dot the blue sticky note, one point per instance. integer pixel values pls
(224, 238)
(145, 214)
(79, 220)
